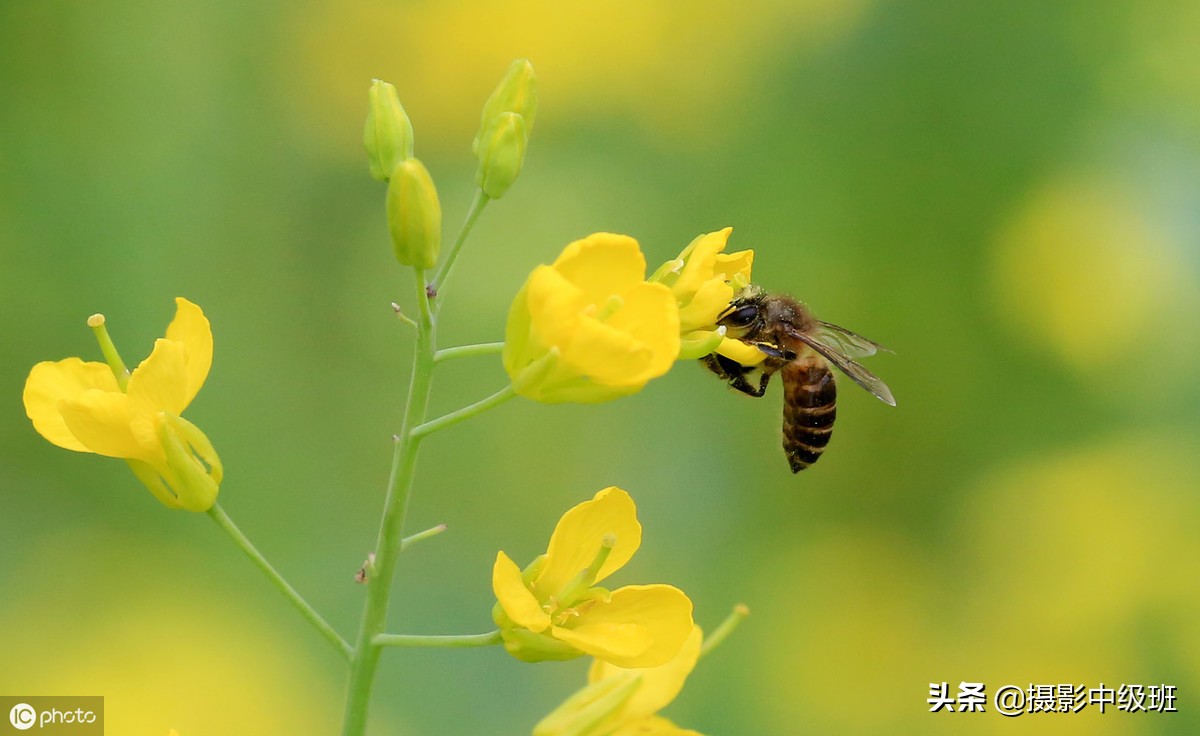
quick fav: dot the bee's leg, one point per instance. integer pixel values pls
(712, 361)
(736, 374)
(741, 383)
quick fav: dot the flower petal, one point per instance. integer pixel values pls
(660, 685)
(518, 602)
(733, 265)
(741, 352)
(602, 264)
(160, 382)
(712, 298)
(518, 352)
(191, 328)
(50, 383)
(700, 262)
(578, 536)
(100, 421)
(664, 611)
(607, 640)
(650, 315)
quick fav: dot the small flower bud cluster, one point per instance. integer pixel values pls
(414, 213)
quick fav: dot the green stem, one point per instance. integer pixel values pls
(422, 536)
(454, 417)
(387, 547)
(443, 273)
(467, 351)
(491, 638)
(218, 515)
(713, 640)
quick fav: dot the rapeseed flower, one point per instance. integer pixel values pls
(554, 609)
(589, 327)
(88, 406)
(703, 280)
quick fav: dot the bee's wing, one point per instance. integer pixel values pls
(847, 342)
(856, 371)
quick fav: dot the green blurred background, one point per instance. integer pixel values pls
(1004, 192)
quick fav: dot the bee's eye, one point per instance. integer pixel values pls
(741, 317)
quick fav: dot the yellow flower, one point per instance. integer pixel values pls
(623, 702)
(589, 328)
(704, 280)
(90, 407)
(553, 610)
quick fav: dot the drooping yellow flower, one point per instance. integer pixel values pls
(704, 280)
(589, 328)
(92, 407)
(553, 609)
(624, 702)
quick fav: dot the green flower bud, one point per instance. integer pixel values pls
(414, 215)
(501, 154)
(388, 134)
(517, 92)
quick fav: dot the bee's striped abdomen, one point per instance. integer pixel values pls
(809, 408)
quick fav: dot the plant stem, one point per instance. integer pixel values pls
(491, 638)
(454, 417)
(218, 515)
(466, 351)
(421, 536)
(443, 273)
(387, 547)
(713, 640)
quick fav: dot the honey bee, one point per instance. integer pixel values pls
(801, 348)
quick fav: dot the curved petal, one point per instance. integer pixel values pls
(664, 611)
(579, 534)
(650, 315)
(706, 305)
(517, 601)
(700, 262)
(160, 382)
(100, 421)
(732, 265)
(191, 328)
(518, 352)
(602, 264)
(607, 640)
(741, 352)
(49, 383)
(554, 305)
(660, 685)
(606, 354)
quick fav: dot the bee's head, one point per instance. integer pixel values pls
(745, 312)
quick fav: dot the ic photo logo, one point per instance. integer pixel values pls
(52, 715)
(22, 716)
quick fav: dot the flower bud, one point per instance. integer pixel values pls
(501, 153)
(517, 92)
(414, 215)
(388, 134)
